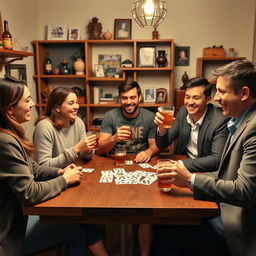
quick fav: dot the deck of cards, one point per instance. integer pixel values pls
(120, 177)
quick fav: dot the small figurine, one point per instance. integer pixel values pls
(184, 79)
(94, 29)
(155, 34)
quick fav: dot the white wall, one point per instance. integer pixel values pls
(197, 23)
(22, 19)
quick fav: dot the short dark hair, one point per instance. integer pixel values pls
(127, 86)
(200, 81)
(240, 73)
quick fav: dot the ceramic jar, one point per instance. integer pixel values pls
(161, 60)
(107, 35)
(79, 66)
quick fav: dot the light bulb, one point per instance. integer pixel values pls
(149, 7)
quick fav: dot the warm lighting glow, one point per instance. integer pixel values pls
(149, 7)
(149, 12)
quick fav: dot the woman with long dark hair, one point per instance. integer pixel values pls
(23, 182)
(60, 136)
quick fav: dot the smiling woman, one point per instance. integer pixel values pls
(60, 134)
(24, 182)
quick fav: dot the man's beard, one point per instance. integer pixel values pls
(130, 112)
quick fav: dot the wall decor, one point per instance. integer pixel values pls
(17, 70)
(57, 32)
(74, 34)
(149, 94)
(147, 56)
(161, 95)
(111, 64)
(182, 55)
(123, 29)
(94, 29)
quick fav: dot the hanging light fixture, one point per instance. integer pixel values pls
(149, 13)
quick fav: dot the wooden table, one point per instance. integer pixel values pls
(94, 202)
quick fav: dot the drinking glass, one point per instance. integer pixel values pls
(163, 187)
(168, 113)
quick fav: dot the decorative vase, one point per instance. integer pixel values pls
(107, 35)
(56, 71)
(161, 60)
(79, 66)
(64, 69)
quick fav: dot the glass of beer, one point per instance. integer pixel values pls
(168, 113)
(128, 128)
(120, 155)
(163, 187)
(94, 133)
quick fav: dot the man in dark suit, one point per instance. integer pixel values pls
(200, 128)
(233, 186)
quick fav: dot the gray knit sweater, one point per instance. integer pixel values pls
(55, 147)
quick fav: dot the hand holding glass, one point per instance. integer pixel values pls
(168, 113)
(129, 129)
(96, 134)
(163, 187)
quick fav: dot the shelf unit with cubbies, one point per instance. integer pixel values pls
(129, 49)
(206, 64)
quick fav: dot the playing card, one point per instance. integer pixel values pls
(145, 165)
(128, 162)
(106, 176)
(88, 170)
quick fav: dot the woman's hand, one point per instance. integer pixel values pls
(73, 174)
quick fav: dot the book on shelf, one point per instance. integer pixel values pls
(96, 95)
(104, 100)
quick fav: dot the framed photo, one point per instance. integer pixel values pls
(99, 71)
(123, 29)
(111, 64)
(56, 32)
(147, 56)
(149, 94)
(161, 95)
(17, 70)
(182, 55)
(74, 34)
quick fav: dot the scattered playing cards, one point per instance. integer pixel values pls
(123, 177)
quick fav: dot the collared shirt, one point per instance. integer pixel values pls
(191, 148)
(232, 125)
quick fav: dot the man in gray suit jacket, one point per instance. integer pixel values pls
(199, 126)
(233, 187)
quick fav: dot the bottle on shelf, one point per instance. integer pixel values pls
(7, 37)
(48, 65)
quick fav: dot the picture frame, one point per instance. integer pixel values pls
(98, 70)
(111, 64)
(74, 34)
(56, 32)
(123, 29)
(182, 55)
(161, 95)
(149, 94)
(17, 70)
(147, 56)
